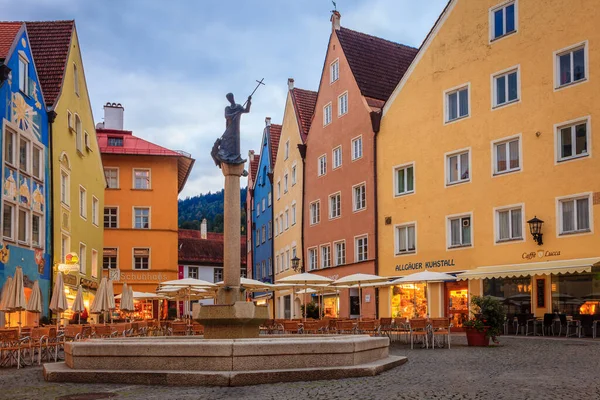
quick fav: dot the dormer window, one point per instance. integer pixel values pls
(23, 75)
(115, 141)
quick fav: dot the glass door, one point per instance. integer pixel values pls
(457, 303)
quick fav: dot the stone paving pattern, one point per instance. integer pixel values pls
(523, 368)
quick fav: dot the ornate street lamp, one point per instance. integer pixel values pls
(296, 264)
(535, 227)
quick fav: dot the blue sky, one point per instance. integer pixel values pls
(170, 63)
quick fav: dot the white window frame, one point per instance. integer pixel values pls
(134, 170)
(450, 91)
(65, 196)
(264, 204)
(322, 165)
(94, 272)
(557, 139)
(104, 214)
(269, 199)
(13, 224)
(334, 71)
(312, 255)
(293, 213)
(322, 249)
(134, 209)
(395, 170)
(404, 225)
(355, 205)
(276, 226)
(356, 255)
(447, 157)
(559, 214)
(506, 140)
(285, 183)
(337, 195)
(95, 211)
(354, 155)
(343, 104)
(118, 173)
(278, 189)
(449, 218)
(76, 79)
(287, 149)
(42, 237)
(78, 134)
(336, 253)
(315, 218)
(569, 49)
(327, 114)
(509, 208)
(82, 258)
(40, 171)
(287, 219)
(27, 240)
(25, 78)
(294, 174)
(83, 198)
(494, 88)
(492, 20)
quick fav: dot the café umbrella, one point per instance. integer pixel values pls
(306, 279)
(425, 276)
(58, 302)
(110, 294)
(4, 297)
(78, 305)
(189, 283)
(16, 295)
(101, 303)
(358, 279)
(34, 304)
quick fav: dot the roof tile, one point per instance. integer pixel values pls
(210, 250)
(254, 167)
(304, 104)
(8, 31)
(275, 133)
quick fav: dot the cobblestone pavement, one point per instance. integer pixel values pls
(524, 368)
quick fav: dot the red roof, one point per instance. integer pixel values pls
(275, 134)
(133, 145)
(377, 64)
(254, 167)
(50, 43)
(304, 103)
(193, 249)
(8, 31)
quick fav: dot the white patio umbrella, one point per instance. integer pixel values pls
(34, 304)
(306, 279)
(16, 295)
(58, 302)
(78, 305)
(101, 303)
(189, 283)
(4, 297)
(250, 284)
(424, 276)
(110, 294)
(358, 279)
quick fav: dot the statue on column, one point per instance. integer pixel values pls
(227, 148)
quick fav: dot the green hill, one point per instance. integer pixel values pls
(210, 206)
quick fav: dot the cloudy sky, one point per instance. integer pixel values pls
(170, 63)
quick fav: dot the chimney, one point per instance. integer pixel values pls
(113, 116)
(203, 229)
(335, 20)
(251, 155)
(290, 83)
(268, 121)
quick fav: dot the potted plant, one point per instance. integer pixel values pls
(487, 322)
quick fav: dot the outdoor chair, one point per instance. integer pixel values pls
(562, 320)
(291, 327)
(385, 327)
(38, 342)
(178, 329)
(595, 328)
(103, 331)
(548, 324)
(573, 324)
(197, 329)
(418, 328)
(401, 328)
(586, 322)
(346, 326)
(72, 333)
(366, 327)
(12, 347)
(311, 327)
(523, 321)
(440, 327)
(332, 325)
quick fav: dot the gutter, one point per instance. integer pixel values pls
(302, 150)
(51, 119)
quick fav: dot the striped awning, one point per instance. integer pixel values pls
(530, 269)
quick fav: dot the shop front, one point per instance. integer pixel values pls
(456, 302)
(409, 300)
(331, 306)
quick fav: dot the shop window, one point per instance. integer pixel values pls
(409, 300)
(514, 293)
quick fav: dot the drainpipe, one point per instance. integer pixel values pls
(302, 150)
(376, 123)
(51, 119)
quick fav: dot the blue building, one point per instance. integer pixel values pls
(25, 222)
(262, 217)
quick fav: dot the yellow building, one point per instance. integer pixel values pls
(490, 127)
(288, 188)
(77, 176)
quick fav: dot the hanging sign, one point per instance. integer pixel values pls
(66, 268)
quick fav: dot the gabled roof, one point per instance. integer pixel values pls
(8, 31)
(254, 167)
(133, 145)
(304, 104)
(275, 134)
(194, 249)
(50, 44)
(377, 64)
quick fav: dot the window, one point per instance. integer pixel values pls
(337, 157)
(36, 230)
(327, 114)
(510, 224)
(270, 266)
(457, 103)
(287, 219)
(334, 71)
(8, 219)
(65, 247)
(111, 217)
(76, 79)
(574, 215)
(37, 162)
(315, 212)
(405, 179)
(573, 140)
(276, 226)
(78, 133)
(278, 190)
(270, 229)
(24, 155)
(23, 226)
(64, 187)
(460, 231)
(112, 177)
(141, 217)
(287, 149)
(264, 234)
(269, 199)
(141, 258)
(9, 147)
(503, 20)
(506, 88)
(312, 259)
(357, 150)
(287, 260)
(258, 208)
(95, 210)
(257, 238)
(217, 274)
(340, 253)
(458, 167)
(24, 75)
(277, 264)
(335, 205)
(361, 246)
(115, 141)
(343, 104)
(193, 273)
(82, 258)
(507, 155)
(325, 256)
(109, 258)
(82, 202)
(141, 179)
(94, 263)
(360, 197)
(293, 175)
(322, 165)
(285, 183)
(406, 239)
(281, 223)
(571, 65)
(293, 214)
(264, 205)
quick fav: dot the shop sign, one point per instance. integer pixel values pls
(540, 254)
(427, 265)
(70, 280)
(66, 268)
(89, 284)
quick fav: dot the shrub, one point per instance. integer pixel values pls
(487, 313)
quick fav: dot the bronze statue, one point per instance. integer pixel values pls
(227, 148)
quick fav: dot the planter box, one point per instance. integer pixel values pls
(476, 338)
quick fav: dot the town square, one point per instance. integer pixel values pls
(358, 199)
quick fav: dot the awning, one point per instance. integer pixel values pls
(529, 269)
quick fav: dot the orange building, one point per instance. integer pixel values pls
(359, 74)
(140, 212)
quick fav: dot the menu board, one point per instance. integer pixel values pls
(541, 292)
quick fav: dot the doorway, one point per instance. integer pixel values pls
(287, 309)
(457, 304)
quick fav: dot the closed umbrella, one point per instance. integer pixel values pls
(78, 306)
(358, 279)
(4, 297)
(58, 302)
(110, 297)
(101, 303)
(34, 304)
(16, 295)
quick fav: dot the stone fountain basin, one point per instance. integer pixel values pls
(222, 362)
